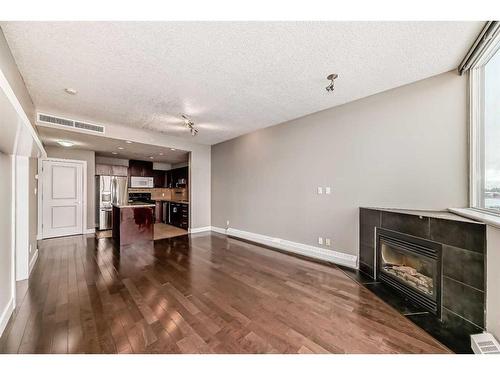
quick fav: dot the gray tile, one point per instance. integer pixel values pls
(456, 324)
(464, 265)
(464, 301)
(366, 255)
(368, 220)
(468, 236)
(366, 269)
(409, 224)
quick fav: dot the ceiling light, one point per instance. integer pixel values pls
(70, 91)
(65, 143)
(172, 149)
(115, 153)
(129, 142)
(120, 148)
(151, 157)
(331, 78)
(161, 154)
(190, 125)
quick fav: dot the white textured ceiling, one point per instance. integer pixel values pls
(230, 77)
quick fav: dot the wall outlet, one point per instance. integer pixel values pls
(320, 190)
(328, 242)
(328, 190)
(320, 240)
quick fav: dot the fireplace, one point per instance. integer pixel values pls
(412, 266)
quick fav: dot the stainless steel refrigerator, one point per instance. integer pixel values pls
(109, 189)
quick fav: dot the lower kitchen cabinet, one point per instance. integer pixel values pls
(179, 215)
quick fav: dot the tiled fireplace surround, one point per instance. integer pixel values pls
(463, 267)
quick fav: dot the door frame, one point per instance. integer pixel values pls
(40, 190)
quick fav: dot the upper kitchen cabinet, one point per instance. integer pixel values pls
(110, 170)
(140, 168)
(159, 178)
(178, 177)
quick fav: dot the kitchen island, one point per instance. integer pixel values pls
(133, 223)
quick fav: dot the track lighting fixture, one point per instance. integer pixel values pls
(190, 125)
(331, 78)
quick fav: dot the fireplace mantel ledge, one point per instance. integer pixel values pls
(484, 217)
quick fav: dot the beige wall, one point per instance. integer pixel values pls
(89, 157)
(493, 280)
(405, 148)
(9, 68)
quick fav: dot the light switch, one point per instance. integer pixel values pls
(328, 190)
(328, 242)
(320, 240)
(320, 190)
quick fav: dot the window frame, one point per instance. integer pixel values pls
(476, 131)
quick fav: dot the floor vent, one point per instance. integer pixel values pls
(68, 123)
(484, 343)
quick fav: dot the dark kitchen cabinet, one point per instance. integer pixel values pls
(140, 168)
(179, 215)
(178, 177)
(159, 179)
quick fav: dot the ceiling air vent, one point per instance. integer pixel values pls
(90, 127)
(68, 123)
(484, 343)
(54, 120)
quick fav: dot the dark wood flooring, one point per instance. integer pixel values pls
(203, 293)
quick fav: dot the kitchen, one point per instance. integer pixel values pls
(158, 190)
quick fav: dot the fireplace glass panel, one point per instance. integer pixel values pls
(413, 270)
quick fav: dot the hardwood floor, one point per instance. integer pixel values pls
(162, 230)
(202, 293)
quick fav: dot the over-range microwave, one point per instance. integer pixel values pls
(141, 182)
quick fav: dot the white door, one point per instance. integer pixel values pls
(62, 198)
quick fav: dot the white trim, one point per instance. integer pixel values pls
(200, 229)
(88, 230)
(293, 247)
(11, 96)
(13, 233)
(475, 214)
(22, 217)
(218, 230)
(84, 193)
(6, 314)
(33, 261)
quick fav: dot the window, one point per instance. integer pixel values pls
(491, 131)
(485, 128)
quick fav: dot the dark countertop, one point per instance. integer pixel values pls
(438, 214)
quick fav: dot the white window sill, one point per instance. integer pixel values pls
(484, 217)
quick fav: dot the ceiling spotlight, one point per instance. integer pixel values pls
(190, 125)
(70, 91)
(172, 149)
(65, 143)
(161, 154)
(151, 157)
(115, 153)
(120, 148)
(129, 142)
(331, 78)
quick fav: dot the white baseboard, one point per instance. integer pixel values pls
(33, 261)
(218, 230)
(293, 247)
(200, 229)
(6, 313)
(89, 231)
